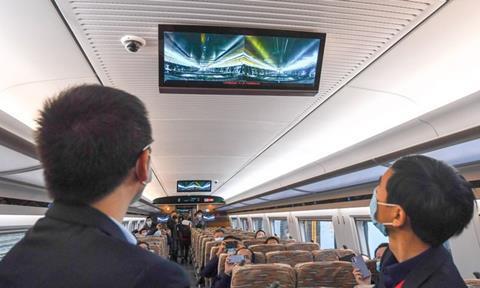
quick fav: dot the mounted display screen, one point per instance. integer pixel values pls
(194, 186)
(189, 200)
(200, 59)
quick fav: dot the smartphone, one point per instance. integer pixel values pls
(236, 259)
(360, 264)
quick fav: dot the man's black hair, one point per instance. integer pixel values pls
(383, 245)
(438, 201)
(142, 242)
(272, 237)
(219, 230)
(231, 237)
(89, 139)
(260, 230)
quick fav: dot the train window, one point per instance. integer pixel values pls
(257, 224)
(369, 237)
(8, 240)
(245, 224)
(235, 224)
(318, 231)
(279, 228)
(133, 225)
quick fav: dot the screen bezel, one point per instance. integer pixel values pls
(201, 87)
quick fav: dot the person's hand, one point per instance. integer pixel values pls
(221, 249)
(359, 278)
(229, 267)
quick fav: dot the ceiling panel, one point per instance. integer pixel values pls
(232, 126)
(283, 195)
(12, 160)
(215, 138)
(32, 177)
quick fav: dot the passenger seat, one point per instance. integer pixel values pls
(289, 257)
(263, 275)
(302, 246)
(325, 274)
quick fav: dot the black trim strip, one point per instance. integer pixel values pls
(21, 202)
(19, 171)
(76, 40)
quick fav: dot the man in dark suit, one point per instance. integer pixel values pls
(94, 144)
(419, 204)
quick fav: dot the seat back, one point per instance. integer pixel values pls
(214, 251)
(259, 258)
(289, 257)
(221, 263)
(263, 275)
(344, 252)
(325, 255)
(250, 242)
(264, 248)
(201, 254)
(473, 283)
(327, 273)
(208, 249)
(302, 246)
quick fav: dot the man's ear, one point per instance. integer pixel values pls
(142, 166)
(399, 216)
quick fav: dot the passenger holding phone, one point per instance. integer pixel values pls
(211, 268)
(363, 279)
(241, 257)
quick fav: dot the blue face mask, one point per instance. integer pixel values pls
(373, 212)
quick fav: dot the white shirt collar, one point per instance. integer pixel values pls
(128, 235)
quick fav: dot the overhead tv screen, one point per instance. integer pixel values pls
(195, 59)
(194, 186)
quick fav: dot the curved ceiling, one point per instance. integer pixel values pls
(216, 137)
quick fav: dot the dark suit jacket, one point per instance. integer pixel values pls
(78, 246)
(436, 271)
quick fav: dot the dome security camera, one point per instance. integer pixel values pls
(133, 43)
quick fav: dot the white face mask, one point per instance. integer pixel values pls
(219, 239)
(149, 223)
(199, 216)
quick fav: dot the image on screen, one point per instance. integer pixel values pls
(240, 59)
(194, 186)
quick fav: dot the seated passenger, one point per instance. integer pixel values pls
(160, 230)
(143, 245)
(224, 280)
(260, 234)
(419, 204)
(272, 240)
(149, 226)
(218, 235)
(211, 268)
(94, 146)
